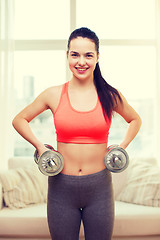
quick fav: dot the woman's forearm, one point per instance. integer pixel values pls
(132, 131)
(23, 128)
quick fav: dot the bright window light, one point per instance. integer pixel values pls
(41, 19)
(131, 69)
(46, 68)
(118, 19)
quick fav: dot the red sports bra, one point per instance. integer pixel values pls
(81, 127)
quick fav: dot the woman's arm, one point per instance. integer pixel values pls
(22, 119)
(131, 117)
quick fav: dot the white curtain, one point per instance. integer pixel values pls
(6, 80)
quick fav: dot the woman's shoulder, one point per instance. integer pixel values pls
(53, 95)
(54, 89)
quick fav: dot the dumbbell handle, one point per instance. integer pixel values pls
(51, 162)
(116, 160)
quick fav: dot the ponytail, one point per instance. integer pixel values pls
(106, 93)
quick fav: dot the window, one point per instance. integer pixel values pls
(118, 19)
(128, 59)
(42, 19)
(132, 70)
(34, 72)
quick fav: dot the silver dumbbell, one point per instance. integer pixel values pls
(116, 159)
(51, 162)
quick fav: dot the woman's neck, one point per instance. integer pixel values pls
(85, 84)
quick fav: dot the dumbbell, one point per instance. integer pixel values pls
(116, 159)
(51, 162)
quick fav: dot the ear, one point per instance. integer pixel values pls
(97, 57)
(67, 54)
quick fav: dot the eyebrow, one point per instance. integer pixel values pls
(85, 53)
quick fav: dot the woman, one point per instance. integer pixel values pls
(82, 110)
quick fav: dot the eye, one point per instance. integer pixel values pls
(89, 55)
(74, 55)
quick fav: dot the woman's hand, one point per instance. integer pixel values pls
(42, 149)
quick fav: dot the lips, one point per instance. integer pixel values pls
(81, 70)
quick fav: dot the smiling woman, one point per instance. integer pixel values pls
(82, 110)
(129, 57)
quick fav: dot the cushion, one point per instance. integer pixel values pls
(23, 186)
(142, 184)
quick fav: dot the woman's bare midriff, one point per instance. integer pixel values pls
(82, 159)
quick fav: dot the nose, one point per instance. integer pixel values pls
(81, 61)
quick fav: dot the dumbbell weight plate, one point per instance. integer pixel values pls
(36, 155)
(116, 159)
(51, 163)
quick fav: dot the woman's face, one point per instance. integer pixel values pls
(82, 58)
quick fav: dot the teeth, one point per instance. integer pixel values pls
(80, 69)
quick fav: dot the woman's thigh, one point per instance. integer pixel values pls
(63, 222)
(98, 213)
(64, 217)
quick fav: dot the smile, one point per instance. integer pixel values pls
(81, 70)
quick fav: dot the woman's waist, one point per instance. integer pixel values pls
(82, 159)
(82, 152)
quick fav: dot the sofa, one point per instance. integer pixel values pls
(23, 196)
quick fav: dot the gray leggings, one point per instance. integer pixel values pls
(74, 198)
